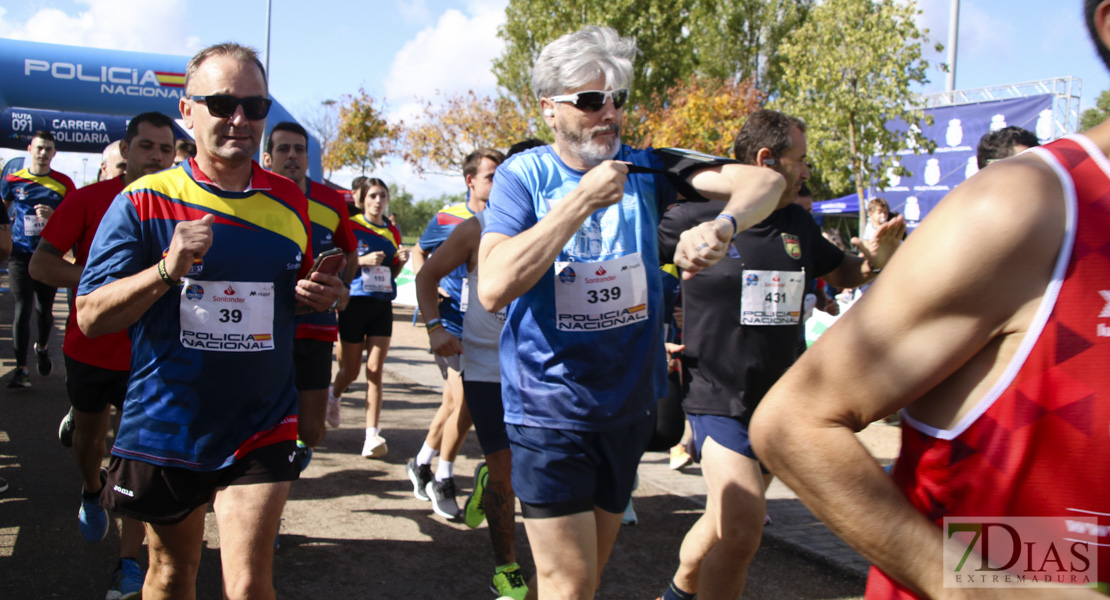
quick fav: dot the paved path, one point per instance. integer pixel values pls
(352, 527)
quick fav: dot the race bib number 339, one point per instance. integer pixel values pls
(594, 296)
(227, 316)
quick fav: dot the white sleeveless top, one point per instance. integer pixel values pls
(481, 330)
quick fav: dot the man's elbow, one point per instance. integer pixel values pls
(86, 320)
(491, 296)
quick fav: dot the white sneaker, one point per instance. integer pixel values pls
(374, 447)
(332, 416)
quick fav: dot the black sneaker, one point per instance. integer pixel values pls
(442, 494)
(65, 430)
(19, 378)
(43, 363)
(420, 476)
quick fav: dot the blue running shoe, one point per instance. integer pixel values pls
(127, 581)
(91, 519)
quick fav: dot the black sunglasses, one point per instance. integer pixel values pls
(223, 106)
(593, 100)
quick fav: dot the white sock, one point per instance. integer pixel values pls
(426, 454)
(445, 470)
(371, 432)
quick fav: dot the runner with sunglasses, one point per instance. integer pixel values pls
(206, 264)
(571, 237)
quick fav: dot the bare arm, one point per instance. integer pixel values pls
(855, 271)
(510, 266)
(115, 306)
(419, 256)
(49, 266)
(461, 247)
(5, 241)
(752, 193)
(932, 334)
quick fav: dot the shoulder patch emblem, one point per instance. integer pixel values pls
(793, 246)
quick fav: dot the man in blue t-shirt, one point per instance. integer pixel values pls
(206, 264)
(572, 233)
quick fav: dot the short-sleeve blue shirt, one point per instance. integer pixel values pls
(580, 380)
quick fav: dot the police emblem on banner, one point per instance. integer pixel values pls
(793, 246)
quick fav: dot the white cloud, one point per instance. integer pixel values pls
(134, 25)
(452, 56)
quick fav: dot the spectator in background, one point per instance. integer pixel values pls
(1004, 143)
(878, 212)
(112, 162)
(184, 150)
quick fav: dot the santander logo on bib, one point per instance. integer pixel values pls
(229, 296)
(230, 291)
(600, 271)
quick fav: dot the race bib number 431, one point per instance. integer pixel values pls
(227, 316)
(594, 296)
(772, 297)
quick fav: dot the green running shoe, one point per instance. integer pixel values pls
(475, 511)
(509, 582)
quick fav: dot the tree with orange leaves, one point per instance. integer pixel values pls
(448, 131)
(699, 113)
(364, 137)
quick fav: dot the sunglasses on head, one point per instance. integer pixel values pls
(223, 106)
(593, 100)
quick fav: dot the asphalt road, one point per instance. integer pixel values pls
(351, 527)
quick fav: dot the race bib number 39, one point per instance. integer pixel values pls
(772, 297)
(227, 316)
(594, 296)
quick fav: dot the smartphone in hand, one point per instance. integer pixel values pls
(328, 262)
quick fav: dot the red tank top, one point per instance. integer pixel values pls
(1038, 444)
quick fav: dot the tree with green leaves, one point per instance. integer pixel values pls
(738, 40)
(1096, 115)
(726, 40)
(848, 71)
(412, 216)
(666, 54)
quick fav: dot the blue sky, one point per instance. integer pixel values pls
(404, 50)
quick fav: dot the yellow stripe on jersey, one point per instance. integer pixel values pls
(257, 209)
(44, 180)
(458, 210)
(384, 232)
(322, 215)
(670, 268)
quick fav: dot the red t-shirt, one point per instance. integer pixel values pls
(330, 229)
(72, 226)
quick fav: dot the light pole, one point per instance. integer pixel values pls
(84, 169)
(953, 38)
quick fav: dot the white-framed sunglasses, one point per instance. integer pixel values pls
(593, 100)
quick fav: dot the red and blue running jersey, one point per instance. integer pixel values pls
(439, 228)
(24, 190)
(1036, 445)
(73, 226)
(375, 238)
(211, 361)
(330, 229)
